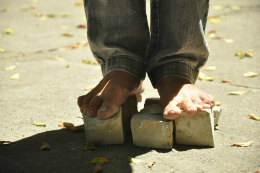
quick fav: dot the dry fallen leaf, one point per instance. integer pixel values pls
(225, 80)
(15, 76)
(9, 68)
(86, 61)
(237, 92)
(39, 124)
(45, 146)
(208, 78)
(254, 117)
(79, 4)
(151, 164)
(240, 55)
(65, 15)
(4, 143)
(58, 59)
(2, 50)
(228, 40)
(81, 26)
(67, 35)
(217, 103)
(201, 76)
(67, 66)
(90, 87)
(257, 171)
(133, 160)
(51, 16)
(68, 126)
(89, 146)
(97, 168)
(235, 7)
(249, 54)
(95, 63)
(250, 74)
(242, 144)
(33, 6)
(98, 160)
(8, 31)
(213, 20)
(210, 68)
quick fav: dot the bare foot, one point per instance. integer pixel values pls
(178, 94)
(112, 91)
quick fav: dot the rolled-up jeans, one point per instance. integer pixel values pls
(119, 37)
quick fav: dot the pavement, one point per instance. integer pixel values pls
(47, 90)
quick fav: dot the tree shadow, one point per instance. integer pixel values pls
(68, 155)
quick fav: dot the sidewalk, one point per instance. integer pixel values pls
(48, 87)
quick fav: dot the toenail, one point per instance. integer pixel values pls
(206, 106)
(103, 109)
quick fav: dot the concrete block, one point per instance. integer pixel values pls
(216, 111)
(111, 130)
(152, 130)
(104, 131)
(195, 129)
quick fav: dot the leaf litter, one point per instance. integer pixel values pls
(254, 117)
(89, 146)
(2, 50)
(98, 160)
(45, 146)
(250, 74)
(133, 160)
(4, 143)
(71, 127)
(242, 144)
(15, 76)
(38, 124)
(237, 92)
(9, 68)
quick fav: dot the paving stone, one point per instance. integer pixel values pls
(111, 130)
(152, 130)
(195, 129)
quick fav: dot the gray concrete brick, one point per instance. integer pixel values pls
(216, 111)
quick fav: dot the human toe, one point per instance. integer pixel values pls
(171, 111)
(94, 105)
(188, 106)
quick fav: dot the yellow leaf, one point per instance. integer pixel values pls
(240, 55)
(242, 144)
(225, 80)
(15, 76)
(67, 66)
(217, 103)
(89, 146)
(235, 7)
(213, 20)
(45, 146)
(51, 16)
(58, 59)
(151, 164)
(201, 76)
(217, 7)
(237, 92)
(250, 74)
(97, 168)
(228, 40)
(79, 4)
(4, 143)
(12, 67)
(86, 61)
(210, 68)
(2, 50)
(98, 160)
(39, 124)
(254, 117)
(208, 78)
(8, 31)
(133, 160)
(90, 87)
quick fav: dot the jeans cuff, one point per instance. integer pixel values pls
(178, 69)
(126, 64)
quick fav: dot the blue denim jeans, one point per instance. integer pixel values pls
(119, 37)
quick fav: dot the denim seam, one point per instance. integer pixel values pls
(158, 26)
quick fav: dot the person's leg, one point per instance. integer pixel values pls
(177, 51)
(118, 36)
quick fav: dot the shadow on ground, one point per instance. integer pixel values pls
(68, 155)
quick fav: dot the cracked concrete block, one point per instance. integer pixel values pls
(104, 131)
(195, 129)
(216, 111)
(152, 130)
